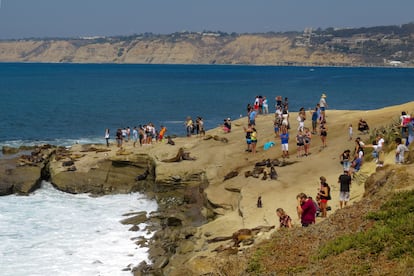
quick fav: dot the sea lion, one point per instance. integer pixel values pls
(261, 163)
(273, 173)
(170, 141)
(142, 176)
(264, 177)
(231, 175)
(241, 235)
(257, 171)
(67, 163)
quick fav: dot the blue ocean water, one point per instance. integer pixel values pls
(64, 103)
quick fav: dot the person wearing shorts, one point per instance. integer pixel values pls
(344, 190)
(284, 141)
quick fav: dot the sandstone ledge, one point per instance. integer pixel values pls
(196, 202)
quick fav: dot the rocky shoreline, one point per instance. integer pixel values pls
(97, 170)
(206, 187)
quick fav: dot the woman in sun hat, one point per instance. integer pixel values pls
(323, 105)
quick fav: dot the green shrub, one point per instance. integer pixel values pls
(392, 233)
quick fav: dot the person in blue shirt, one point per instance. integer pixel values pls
(252, 117)
(284, 141)
(315, 116)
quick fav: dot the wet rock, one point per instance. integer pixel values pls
(161, 263)
(186, 247)
(137, 219)
(173, 221)
(134, 228)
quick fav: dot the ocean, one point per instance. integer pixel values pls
(50, 232)
(68, 103)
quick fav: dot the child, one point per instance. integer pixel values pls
(350, 132)
(399, 152)
(284, 220)
(227, 125)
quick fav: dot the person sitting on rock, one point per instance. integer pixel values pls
(227, 125)
(363, 126)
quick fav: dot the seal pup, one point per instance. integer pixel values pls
(273, 173)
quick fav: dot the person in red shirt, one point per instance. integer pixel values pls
(306, 210)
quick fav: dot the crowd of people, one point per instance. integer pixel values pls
(308, 208)
(143, 134)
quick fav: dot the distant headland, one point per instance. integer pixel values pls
(374, 46)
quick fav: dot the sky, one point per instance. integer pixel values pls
(75, 18)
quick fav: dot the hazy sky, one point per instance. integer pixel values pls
(72, 18)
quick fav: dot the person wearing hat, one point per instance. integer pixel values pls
(323, 105)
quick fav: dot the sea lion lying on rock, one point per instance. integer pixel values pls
(231, 175)
(67, 163)
(181, 155)
(142, 176)
(241, 235)
(221, 139)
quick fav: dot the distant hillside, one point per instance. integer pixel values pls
(376, 46)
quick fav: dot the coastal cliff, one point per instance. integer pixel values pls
(243, 49)
(376, 46)
(207, 191)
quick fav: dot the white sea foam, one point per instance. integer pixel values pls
(54, 233)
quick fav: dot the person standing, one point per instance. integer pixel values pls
(380, 146)
(284, 141)
(135, 135)
(107, 136)
(161, 134)
(284, 220)
(306, 210)
(252, 117)
(410, 129)
(345, 159)
(248, 132)
(254, 140)
(323, 133)
(265, 105)
(315, 117)
(141, 135)
(344, 181)
(301, 119)
(300, 143)
(189, 126)
(285, 119)
(119, 137)
(128, 133)
(324, 195)
(350, 132)
(323, 105)
(307, 139)
(399, 152)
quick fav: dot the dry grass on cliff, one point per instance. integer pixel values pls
(373, 236)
